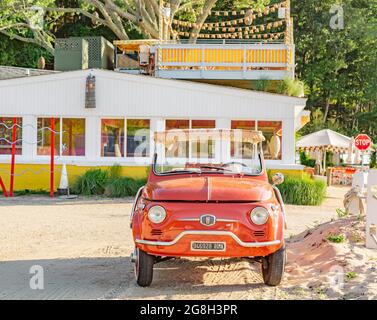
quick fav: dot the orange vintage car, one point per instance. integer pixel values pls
(217, 205)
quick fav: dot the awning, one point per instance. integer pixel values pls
(134, 45)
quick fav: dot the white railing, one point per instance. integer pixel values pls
(253, 60)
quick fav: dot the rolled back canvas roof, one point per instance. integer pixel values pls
(172, 136)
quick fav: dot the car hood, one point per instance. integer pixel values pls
(209, 189)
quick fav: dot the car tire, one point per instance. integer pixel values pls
(273, 267)
(143, 268)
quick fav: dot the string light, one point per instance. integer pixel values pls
(271, 8)
(241, 27)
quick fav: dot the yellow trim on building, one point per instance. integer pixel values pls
(37, 176)
(291, 173)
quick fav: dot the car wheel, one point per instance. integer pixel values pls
(273, 267)
(143, 268)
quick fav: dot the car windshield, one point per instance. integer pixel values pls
(200, 151)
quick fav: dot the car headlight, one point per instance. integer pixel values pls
(259, 215)
(157, 214)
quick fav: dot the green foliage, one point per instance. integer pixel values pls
(306, 161)
(92, 182)
(341, 213)
(123, 187)
(21, 54)
(291, 87)
(106, 182)
(305, 191)
(338, 65)
(261, 85)
(114, 172)
(336, 238)
(373, 160)
(351, 275)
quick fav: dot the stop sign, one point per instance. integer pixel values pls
(363, 142)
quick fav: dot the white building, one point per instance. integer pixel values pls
(104, 135)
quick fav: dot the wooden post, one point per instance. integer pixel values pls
(52, 154)
(14, 137)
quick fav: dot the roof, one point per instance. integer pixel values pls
(136, 96)
(16, 72)
(134, 45)
(172, 83)
(326, 138)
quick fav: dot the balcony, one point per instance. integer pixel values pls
(212, 60)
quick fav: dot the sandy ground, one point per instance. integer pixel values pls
(83, 246)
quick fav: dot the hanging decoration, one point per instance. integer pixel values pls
(240, 26)
(268, 9)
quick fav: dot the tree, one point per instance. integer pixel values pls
(24, 20)
(338, 65)
(32, 21)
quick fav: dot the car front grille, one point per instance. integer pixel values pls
(156, 232)
(259, 233)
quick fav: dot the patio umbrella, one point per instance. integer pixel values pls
(324, 140)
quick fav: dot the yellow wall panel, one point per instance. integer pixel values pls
(37, 176)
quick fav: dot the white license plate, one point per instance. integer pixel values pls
(208, 246)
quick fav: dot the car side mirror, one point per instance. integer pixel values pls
(277, 178)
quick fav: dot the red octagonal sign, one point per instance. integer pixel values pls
(363, 142)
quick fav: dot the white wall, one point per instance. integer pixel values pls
(123, 95)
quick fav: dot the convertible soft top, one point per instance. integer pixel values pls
(237, 135)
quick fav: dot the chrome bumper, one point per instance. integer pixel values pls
(209, 233)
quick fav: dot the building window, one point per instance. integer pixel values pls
(6, 134)
(204, 149)
(138, 137)
(44, 136)
(112, 138)
(68, 142)
(179, 149)
(73, 137)
(242, 149)
(273, 132)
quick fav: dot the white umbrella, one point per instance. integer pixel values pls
(326, 140)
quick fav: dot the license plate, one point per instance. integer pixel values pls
(208, 246)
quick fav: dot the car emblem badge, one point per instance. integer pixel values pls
(207, 220)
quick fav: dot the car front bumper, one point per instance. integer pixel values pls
(235, 247)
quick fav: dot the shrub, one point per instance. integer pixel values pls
(114, 172)
(306, 161)
(303, 191)
(92, 182)
(291, 87)
(106, 182)
(123, 187)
